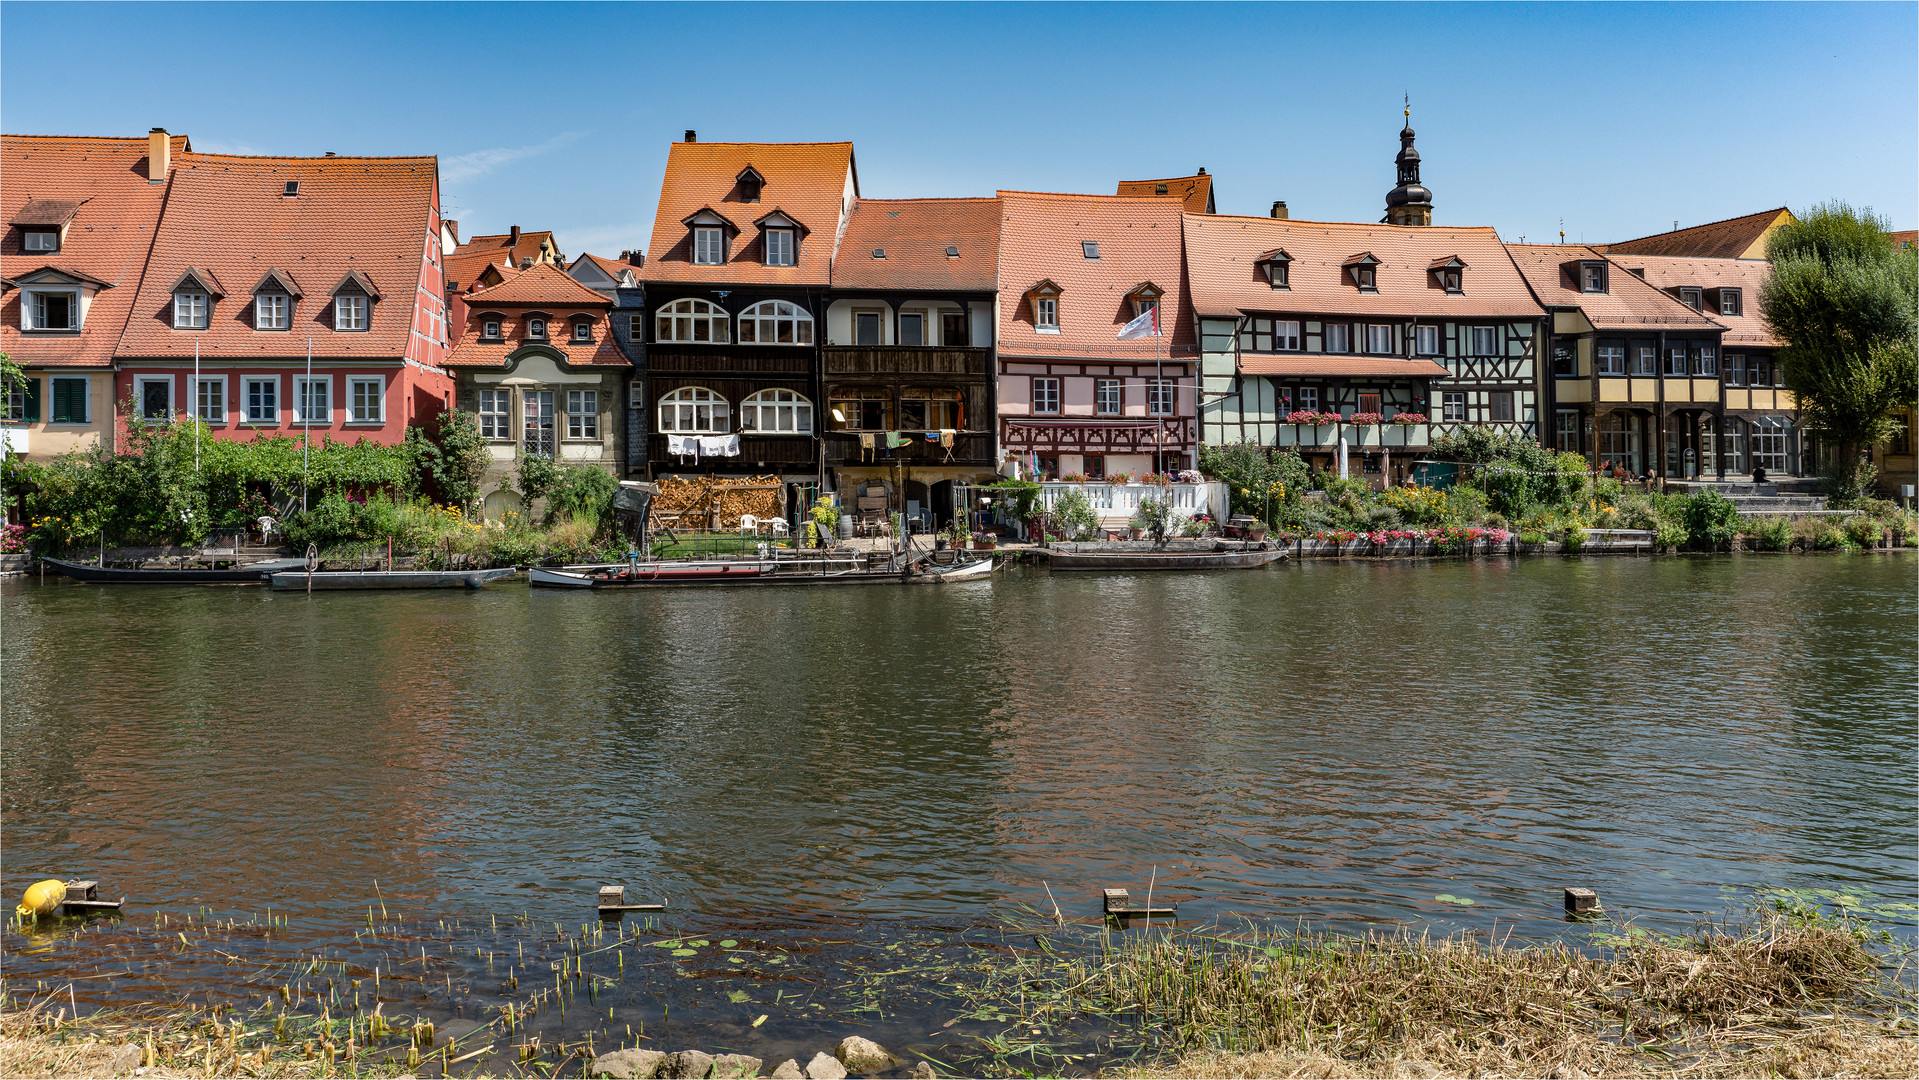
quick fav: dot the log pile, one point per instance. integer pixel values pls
(715, 502)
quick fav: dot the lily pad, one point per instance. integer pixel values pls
(1449, 898)
(700, 944)
(686, 952)
(729, 943)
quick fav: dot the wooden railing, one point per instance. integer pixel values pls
(907, 360)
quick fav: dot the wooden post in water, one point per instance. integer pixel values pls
(1582, 902)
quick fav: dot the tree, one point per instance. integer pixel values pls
(1842, 298)
(454, 458)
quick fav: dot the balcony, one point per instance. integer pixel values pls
(908, 360)
(739, 360)
(968, 449)
(773, 450)
(1358, 436)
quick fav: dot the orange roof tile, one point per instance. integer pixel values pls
(916, 235)
(1734, 238)
(1139, 241)
(1355, 366)
(1903, 240)
(228, 215)
(1630, 304)
(1747, 275)
(1195, 192)
(463, 266)
(1222, 250)
(107, 238)
(612, 268)
(813, 183)
(474, 351)
(542, 285)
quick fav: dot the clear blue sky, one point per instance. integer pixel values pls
(1618, 119)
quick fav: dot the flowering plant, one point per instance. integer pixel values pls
(1119, 478)
(1363, 418)
(1309, 416)
(1155, 478)
(1410, 418)
(13, 539)
(1191, 476)
(1074, 478)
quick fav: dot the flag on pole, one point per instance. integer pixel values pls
(1146, 325)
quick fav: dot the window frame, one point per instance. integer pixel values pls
(140, 384)
(1307, 398)
(500, 419)
(760, 402)
(1602, 352)
(583, 415)
(1117, 387)
(27, 236)
(696, 312)
(1593, 278)
(899, 336)
(1046, 314)
(1735, 369)
(271, 413)
(779, 314)
(536, 328)
(492, 329)
(1374, 334)
(1502, 401)
(1089, 250)
(53, 398)
(32, 301)
(1642, 361)
(352, 403)
(1052, 386)
(1491, 336)
(1704, 361)
(262, 323)
(582, 332)
(1452, 407)
(716, 404)
(1676, 365)
(186, 322)
(1296, 338)
(878, 323)
(1345, 332)
(701, 249)
(790, 250)
(1162, 396)
(1693, 297)
(301, 385)
(1737, 302)
(341, 305)
(1421, 333)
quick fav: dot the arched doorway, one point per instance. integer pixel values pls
(941, 495)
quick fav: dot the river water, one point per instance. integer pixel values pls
(1337, 742)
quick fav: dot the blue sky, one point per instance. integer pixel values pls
(1617, 119)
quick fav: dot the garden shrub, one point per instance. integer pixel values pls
(1768, 533)
(1863, 531)
(1073, 514)
(1710, 519)
(1670, 535)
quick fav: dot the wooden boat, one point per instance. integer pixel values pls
(672, 573)
(297, 580)
(969, 571)
(251, 574)
(1172, 555)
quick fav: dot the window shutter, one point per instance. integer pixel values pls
(33, 399)
(62, 401)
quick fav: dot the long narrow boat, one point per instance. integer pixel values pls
(297, 580)
(251, 574)
(700, 573)
(1174, 555)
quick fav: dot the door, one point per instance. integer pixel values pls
(539, 422)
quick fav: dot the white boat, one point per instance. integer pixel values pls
(558, 579)
(972, 571)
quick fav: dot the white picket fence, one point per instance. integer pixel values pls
(1116, 503)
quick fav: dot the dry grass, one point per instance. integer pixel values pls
(44, 1042)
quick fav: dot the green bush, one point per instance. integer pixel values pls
(1768, 533)
(1863, 531)
(1575, 539)
(1670, 535)
(1710, 519)
(583, 493)
(1257, 479)
(1636, 510)
(1073, 514)
(538, 475)
(453, 460)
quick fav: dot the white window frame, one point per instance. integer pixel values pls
(140, 384)
(272, 311)
(496, 415)
(686, 316)
(1308, 398)
(582, 330)
(583, 415)
(1426, 340)
(190, 311)
(34, 300)
(536, 328)
(694, 410)
(776, 411)
(709, 245)
(782, 247)
(1287, 335)
(218, 414)
(776, 317)
(354, 385)
(1452, 407)
(1047, 386)
(352, 313)
(1379, 339)
(489, 329)
(1484, 341)
(1046, 313)
(301, 383)
(272, 412)
(1162, 397)
(1102, 390)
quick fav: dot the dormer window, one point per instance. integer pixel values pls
(750, 184)
(53, 310)
(1730, 302)
(490, 329)
(1449, 274)
(273, 299)
(1691, 298)
(189, 311)
(582, 331)
(1276, 265)
(1044, 297)
(292, 189)
(1364, 271)
(1089, 249)
(780, 238)
(1144, 297)
(1592, 277)
(40, 241)
(779, 247)
(707, 246)
(536, 328)
(350, 312)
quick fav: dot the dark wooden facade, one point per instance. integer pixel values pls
(894, 372)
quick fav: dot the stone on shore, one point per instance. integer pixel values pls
(735, 1067)
(923, 1070)
(627, 1064)
(126, 1059)
(787, 1070)
(864, 1055)
(825, 1066)
(687, 1065)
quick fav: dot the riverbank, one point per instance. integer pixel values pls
(1786, 992)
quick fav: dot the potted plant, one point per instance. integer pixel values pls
(984, 541)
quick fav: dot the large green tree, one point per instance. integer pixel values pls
(1844, 301)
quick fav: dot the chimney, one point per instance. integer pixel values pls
(526, 263)
(692, 136)
(159, 155)
(513, 237)
(329, 153)
(1279, 209)
(1202, 170)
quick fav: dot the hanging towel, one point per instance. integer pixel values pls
(896, 438)
(947, 437)
(932, 436)
(714, 445)
(732, 446)
(866, 446)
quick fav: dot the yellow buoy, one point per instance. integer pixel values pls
(42, 897)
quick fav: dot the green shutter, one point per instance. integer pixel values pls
(69, 401)
(33, 400)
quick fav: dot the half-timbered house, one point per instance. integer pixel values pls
(1377, 338)
(1635, 382)
(735, 278)
(1072, 399)
(908, 370)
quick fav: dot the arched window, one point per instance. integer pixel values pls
(777, 412)
(776, 322)
(694, 409)
(691, 320)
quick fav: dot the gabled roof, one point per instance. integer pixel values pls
(1734, 238)
(917, 234)
(278, 278)
(612, 268)
(358, 280)
(779, 219)
(545, 290)
(59, 274)
(462, 267)
(47, 212)
(813, 182)
(1747, 275)
(1629, 304)
(1195, 193)
(1139, 239)
(1223, 253)
(474, 351)
(199, 276)
(226, 214)
(112, 227)
(542, 284)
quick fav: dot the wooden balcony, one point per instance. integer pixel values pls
(777, 451)
(969, 449)
(735, 360)
(885, 360)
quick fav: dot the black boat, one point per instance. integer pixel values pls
(250, 574)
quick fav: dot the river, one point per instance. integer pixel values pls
(1340, 742)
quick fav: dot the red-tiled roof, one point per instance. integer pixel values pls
(229, 216)
(1139, 241)
(1355, 366)
(107, 238)
(545, 288)
(1906, 239)
(1222, 252)
(612, 268)
(541, 285)
(474, 351)
(463, 266)
(1734, 238)
(1629, 303)
(1195, 192)
(813, 183)
(1747, 275)
(916, 235)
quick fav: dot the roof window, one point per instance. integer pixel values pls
(1448, 273)
(1089, 248)
(879, 253)
(293, 188)
(1691, 298)
(1592, 277)
(1364, 269)
(40, 241)
(952, 252)
(1159, 188)
(1275, 264)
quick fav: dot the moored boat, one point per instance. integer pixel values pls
(295, 580)
(977, 570)
(250, 574)
(1171, 555)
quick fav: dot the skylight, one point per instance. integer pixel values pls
(1089, 248)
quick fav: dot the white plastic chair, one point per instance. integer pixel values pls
(749, 525)
(778, 525)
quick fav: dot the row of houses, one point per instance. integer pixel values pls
(781, 323)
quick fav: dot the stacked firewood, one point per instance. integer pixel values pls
(715, 502)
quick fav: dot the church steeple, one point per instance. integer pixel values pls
(1411, 203)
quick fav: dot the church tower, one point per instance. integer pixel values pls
(1411, 203)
